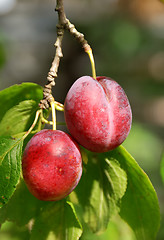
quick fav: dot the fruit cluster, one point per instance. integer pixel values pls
(98, 116)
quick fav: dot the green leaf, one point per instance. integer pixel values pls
(10, 231)
(57, 221)
(139, 208)
(100, 189)
(10, 167)
(21, 207)
(15, 94)
(18, 118)
(149, 145)
(162, 167)
(117, 230)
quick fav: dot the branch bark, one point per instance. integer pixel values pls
(63, 23)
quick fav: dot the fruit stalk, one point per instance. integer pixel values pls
(90, 54)
(38, 113)
(53, 114)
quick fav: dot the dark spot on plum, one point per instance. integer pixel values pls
(60, 171)
(84, 84)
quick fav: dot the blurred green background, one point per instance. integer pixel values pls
(127, 38)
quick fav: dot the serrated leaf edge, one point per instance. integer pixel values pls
(9, 150)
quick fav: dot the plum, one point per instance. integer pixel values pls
(97, 113)
(51, 165)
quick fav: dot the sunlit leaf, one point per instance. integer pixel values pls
(139, 208)
(99, 192)
(10, 231)
(10, 167)
(21, 207)
(57, 221)
(18, 118)
(15, 94)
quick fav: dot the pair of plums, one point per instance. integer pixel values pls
(98, 116)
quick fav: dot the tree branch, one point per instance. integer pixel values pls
(77, 35)
(63, 23)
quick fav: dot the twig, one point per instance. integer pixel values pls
(63, 23)
(80, 38)
(47, 92)
(77, 35)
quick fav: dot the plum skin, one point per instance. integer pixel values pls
(51, 165)
(97, 113)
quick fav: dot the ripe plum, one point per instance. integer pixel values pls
(51, 164)
(97, 113)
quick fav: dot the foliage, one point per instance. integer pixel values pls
(10, 166)
(112, 183)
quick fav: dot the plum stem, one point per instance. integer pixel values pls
(51, 123)
(46, 121)
(43, 120)
(90, 54)
(59, 106)
(38, 113)
(53, 114)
